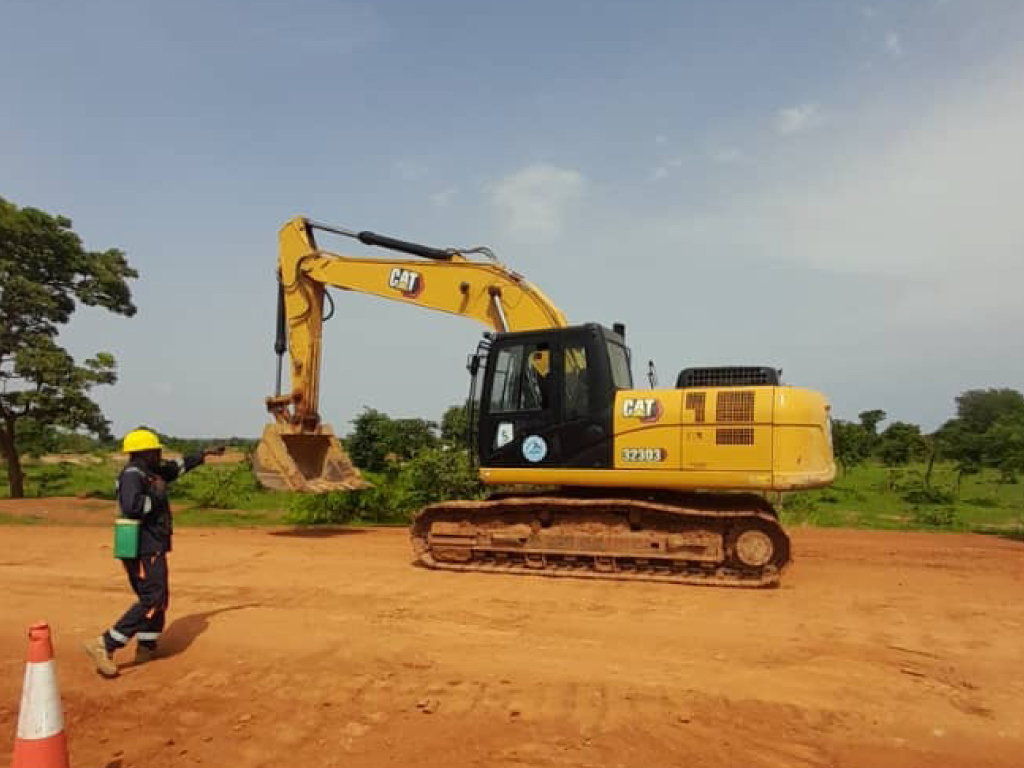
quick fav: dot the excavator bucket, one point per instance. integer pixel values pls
(307, 462)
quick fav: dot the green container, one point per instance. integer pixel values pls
(126, 538)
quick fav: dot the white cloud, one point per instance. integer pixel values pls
(442, 198)
(893, 44)
(663, 170)
(535, 200)
(797, 119)
(933, 209)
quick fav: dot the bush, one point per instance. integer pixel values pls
(433, 474)
(70, 480)
(220, 488)
(436, 474)
(919, 493)
(323, 508)
(938, 517)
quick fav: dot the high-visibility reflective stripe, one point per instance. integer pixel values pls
(146, 636)
(147, 505)
(117, 636)
(40, 716)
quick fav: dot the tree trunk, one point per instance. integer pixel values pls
(15, 477)
(931, 466)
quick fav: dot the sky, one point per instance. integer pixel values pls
(831, 188)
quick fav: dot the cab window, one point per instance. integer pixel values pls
(522, 379)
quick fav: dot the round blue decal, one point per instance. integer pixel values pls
(534, 448)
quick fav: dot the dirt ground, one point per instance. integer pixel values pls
(330, 649)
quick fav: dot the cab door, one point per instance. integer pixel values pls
(545, 401)
(520, 406)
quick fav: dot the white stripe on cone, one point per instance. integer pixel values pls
(40, 715)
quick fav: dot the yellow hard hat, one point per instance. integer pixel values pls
(141, 440)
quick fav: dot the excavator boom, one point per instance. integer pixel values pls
(298, 452)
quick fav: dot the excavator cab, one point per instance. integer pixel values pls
(548, 397)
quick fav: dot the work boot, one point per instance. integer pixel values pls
(144, 653)
(96, 650)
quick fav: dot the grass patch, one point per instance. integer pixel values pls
(230, 490)
(874, 496)
(869, 496)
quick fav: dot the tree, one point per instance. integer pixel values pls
(1004, 446)
(45, 273)
(849, 443)
(979, 409)
(901, 443)
(870, 420)
(455, 427)
(378, 440)
(987, 432)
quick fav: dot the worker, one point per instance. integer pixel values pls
(142, 495)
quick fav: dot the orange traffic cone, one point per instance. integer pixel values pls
(41, 742)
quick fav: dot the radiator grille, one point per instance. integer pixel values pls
(728, 376)
(735, 406)
(734, 436)
(695, 402)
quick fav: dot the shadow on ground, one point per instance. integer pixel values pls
(183, 632)
(317, 532)
(1001, 533)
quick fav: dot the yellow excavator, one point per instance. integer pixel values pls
(595, 476)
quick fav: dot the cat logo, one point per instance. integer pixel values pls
(647, 409)
(406, 281)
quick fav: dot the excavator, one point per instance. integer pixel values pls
(589, 475)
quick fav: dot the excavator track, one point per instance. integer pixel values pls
(715, 539)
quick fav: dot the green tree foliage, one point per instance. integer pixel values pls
(901, 443)
(455, 427)
(226, 489)
(870, 420)
(979, 409)
(850, 443)
(45, 273)
(1004, 447)
(433, 474)
(408, 465)
(988, 431)
(378, 441)
(437, 474)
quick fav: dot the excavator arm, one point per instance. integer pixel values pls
(299, 452)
